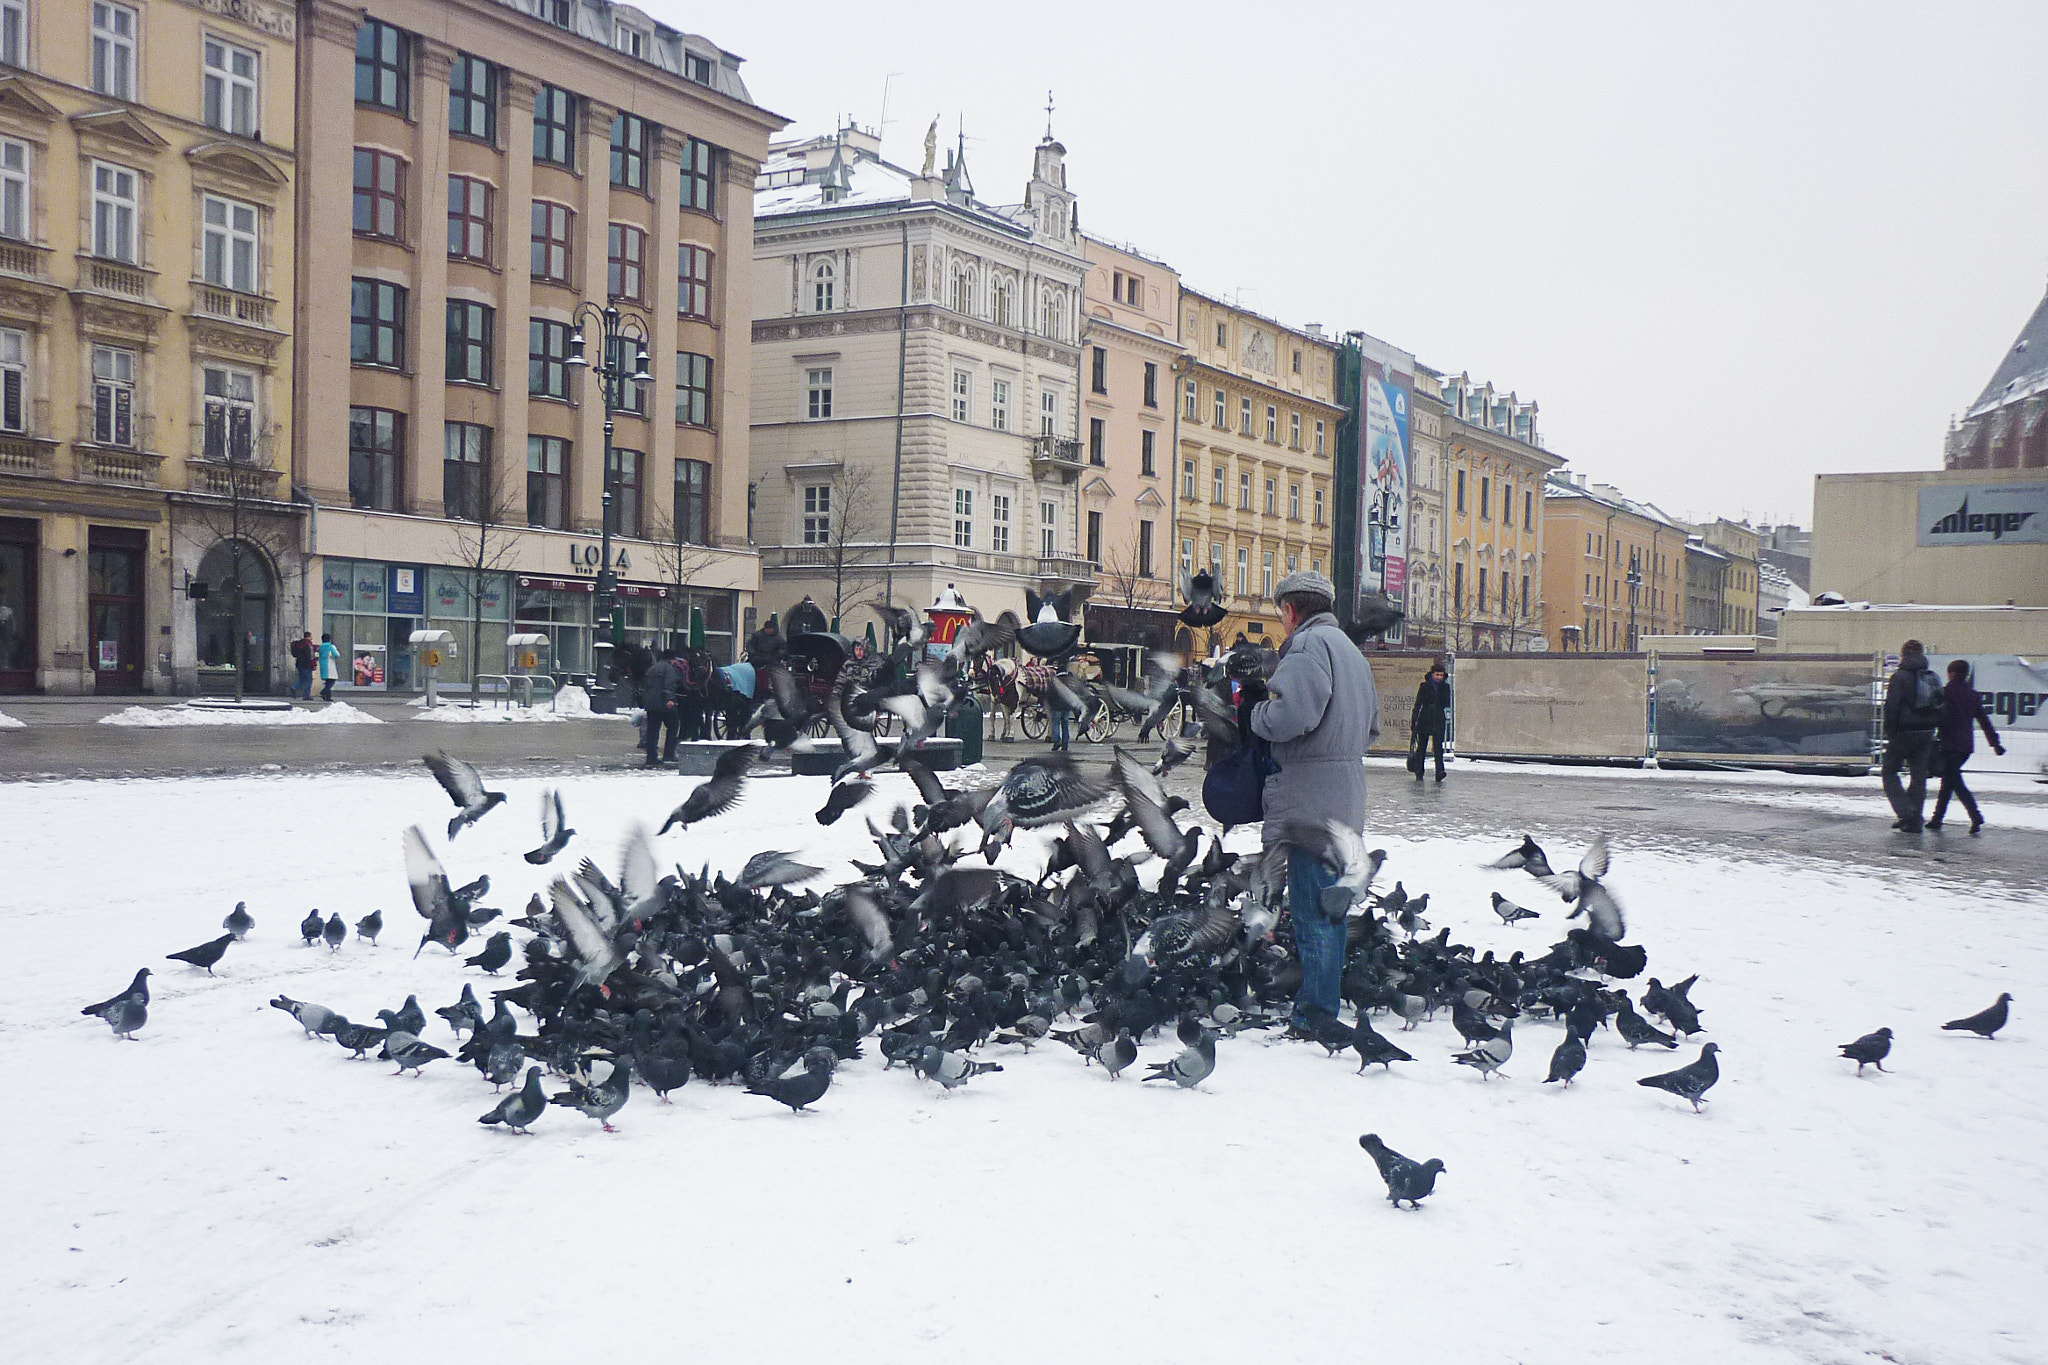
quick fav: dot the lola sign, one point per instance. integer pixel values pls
(590, 558)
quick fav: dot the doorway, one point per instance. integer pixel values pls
(218, 622)
(114, 607)
(18, 548)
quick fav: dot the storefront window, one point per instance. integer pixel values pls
(563, 615)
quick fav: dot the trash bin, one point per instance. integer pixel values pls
(965, 726)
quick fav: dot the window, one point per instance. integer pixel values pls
(1151, 384)
(693, 389)
(963, 518)
(473, 99)
(1222, 334)
(999, 523)
(229, 238)
(1098, 369)
(465, 469)
(700, 175)
(376, 334)
(552, 232)
(693, 281)
(14, 32)
(375, 437)
(1048, 528)
(963, 396)
(13, 189)
(999, 404)
(817, 527)
(1216, 564)
(554, 127)
(1244, 492)
(1147, 441)
(1319, 507)
(1272, 424)
(999, 302)
(113, 50)
(1480, 602)
(380, 194)
(1098, 437)
(547, 482)
(1048, 411)
(1525, 594)
(625, 476)
(1266, 575)
(1095, 537)
(1458, 586)
(547, 359)
(1244, 571)
(693, 502)
(1294, 502)
(1187, 556)
(1294, 430)
(1191, 400)
(629, 152)
(469, 219)
(1187, 479)
(1244, 416)
(626, 250)
(383, 66)
(230, 88)
(113, 396)
(1221, 417)
(823, 278)
(13, 380)
(1529, 511)
(1144, 549)
(1297, 360)
(469, 341)
(818, 387)
(1216, 486)
(1461, 490)
(1485, 499)
(624, 356)
(1272, 497)
(1319, 438)
(630, 41)
(113, 212)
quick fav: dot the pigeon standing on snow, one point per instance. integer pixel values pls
(128, 1011)
(497, 952)
(1118, 1053)
(1509, 912)
(335, 932)
(1986, 1022)
(312, 927)
(205, 955)
(1192, 1067)
(1869, 1050)
(370, 925)
(1371, 1047)
(554, 828)
(138, 988)
(1406, 1178)
(1690, 1082)
(357, 1038)
(239, 921)
(600, 1100)
(520, 1108)
(314, 1019)
(950, 1069)
(1569, 1059)
(801, 1089)
(411, 1054)
(1488, 1057)
(1671, 1003)
(465, 787)
(1636, 1030)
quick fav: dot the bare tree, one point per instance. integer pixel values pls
(484, 545)
(232, 502)
(677, 562)
(853, 553)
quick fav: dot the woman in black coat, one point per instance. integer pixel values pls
(1430, 719)
(1962, 711)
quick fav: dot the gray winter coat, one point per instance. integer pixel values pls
(1323, 716)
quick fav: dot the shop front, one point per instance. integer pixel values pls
(19, 540)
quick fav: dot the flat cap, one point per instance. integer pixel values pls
(1307, 580)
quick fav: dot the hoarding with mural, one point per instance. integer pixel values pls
(1383, 519)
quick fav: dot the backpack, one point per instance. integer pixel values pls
(1234, 792)
(1927, 694)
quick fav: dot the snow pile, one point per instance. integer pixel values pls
(461, 713)
(225, 1189)
(334, 713)
(573, 702)
(8, 722)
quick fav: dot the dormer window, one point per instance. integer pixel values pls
(697, 68)
(630, 41)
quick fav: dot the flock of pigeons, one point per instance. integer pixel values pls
(934, 956)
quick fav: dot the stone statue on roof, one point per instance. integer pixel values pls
(931, 148)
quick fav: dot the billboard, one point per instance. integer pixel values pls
(1779, 708)
(1384, 404)
(1551, 705)
(2015, 690)
(1984, 514)
(1396, 676)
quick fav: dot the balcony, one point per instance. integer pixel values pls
(1053, 457)
(212, 301)
(112, 277)
(27, 456)
(1066, 569)
(24, 261)
(125, 468)
(220, 479)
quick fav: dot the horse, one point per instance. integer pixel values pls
(1002, 679)
(627, 668)
(694, 671)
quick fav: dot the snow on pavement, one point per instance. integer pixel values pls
(8, 722)
(333, 713)
(226, 1190)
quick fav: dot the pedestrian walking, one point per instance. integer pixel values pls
(1430, 719)
(1913, 705)
(330, 668)
(1962, 711)
(1320, 714)
(302, 662)
(658, 698)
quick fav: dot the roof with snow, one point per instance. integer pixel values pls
(1607, 495)
(786, 187)
(2024, 371)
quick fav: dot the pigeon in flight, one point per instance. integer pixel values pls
(1869, 1050)
(1509, 912)
(497, 952)
(802, 1088)
(1528, 856)
(717, 795)
(1489, 1056)
(1406, 1178)
(1193, 1066)
(1339, 848)
(554, 828)
(1690, 1082)
(1042, 790)
(601, 1100)
(864, 911)
(138, 988)
(1172, 754)
(1049, 634)
(1986, 1022)
(518, 1110)
(335, 932)
(442, 909)
(239, 921)
(1202, 610)
(1595, 901)
(771, 867)
(597, 956)
(901, 625)
(370, 925)
(205, 955)
(465, 787)
(312, 927)
(844, 796)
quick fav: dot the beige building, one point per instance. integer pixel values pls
(1740, 586)
(916, 363)
(484, 171)
(1427, 470)
(1494, 468)
(1864, 628)
(1258, 432)
(146, 269)
(1614, 569)
(1131, 362)
(1961, 536)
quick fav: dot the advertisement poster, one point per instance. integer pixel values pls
(1780, 708)
(2015, 689)
(1984, 514)
(1385, 485)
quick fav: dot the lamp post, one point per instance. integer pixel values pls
(1635, 583)
(616, 326)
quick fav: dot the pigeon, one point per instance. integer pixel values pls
(501, 1062)
(465, 1014)
(1569, 1059)
(1985, 1023)
(1371, 1047)
(138, 989)
(950, 1069)
(601, 1100)
(554, 828)
(1869, 1050)
(844, 796)
(1636, 1030)
(444, 910)
(978, 637)
(1041, 790)
(1690, 1082)
(357, 1038)
(1340, 849)
(864, 911)
(335, 932)
(1171, 755)
(1488, 1057)
(1049, 634)
(312, 928)
(465, 787)
(799, 1089)
(596, 954)
(716, 796)
(125, 1014)
(1509, 912)
(1202, 610)
(408, 1017)
(206, 954)
(411, 1054)
(314, 1019)
(771, 867)
(239, 921)
(1406, 1179)
(1529, 857)
(1595, 901)
(901, 625)
(497, 952)
(664, 1072)
(1191, 1067)
(518, 1110)
(1671, 1004)
(370, 925)
(1118, 1053)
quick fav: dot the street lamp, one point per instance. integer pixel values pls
(1635, 583)
(616, 326)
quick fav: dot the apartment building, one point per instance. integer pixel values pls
(1258, 426)
(1740, 583)
(147, 175)
(491, 175)
(1494, 471)
(1614, 569)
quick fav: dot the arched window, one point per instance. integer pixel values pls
(963, 290)
(1000, 305)
(1053, 318)
(823, 280)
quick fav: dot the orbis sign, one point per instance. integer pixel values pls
(1984, 514)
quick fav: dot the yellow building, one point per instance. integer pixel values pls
(1492, 565)
(1739, 584)
(146, 266)
(1258, 428)
(1614, 570)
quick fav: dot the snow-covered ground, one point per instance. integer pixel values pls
(8, 722)
(152, 717)
(224, 1190)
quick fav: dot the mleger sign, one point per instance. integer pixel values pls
(1984, 514)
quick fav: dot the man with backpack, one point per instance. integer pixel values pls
(1913, 706)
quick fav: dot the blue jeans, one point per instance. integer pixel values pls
(1061, 736)
(1317, 942)
(303, 685)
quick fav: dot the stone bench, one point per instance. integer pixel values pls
(698, 757)
(822, 757)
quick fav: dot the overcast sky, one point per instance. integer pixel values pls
(1725, 247)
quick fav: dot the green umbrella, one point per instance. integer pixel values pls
(871, 636)
(696, 627)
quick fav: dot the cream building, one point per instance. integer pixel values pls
(1964, 536)
(916, 365)
(1256, 480)
(1493, 474)
(1425, 626)
(1614, 569)
(481, 171)
(1740, 585)
(147, 183)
